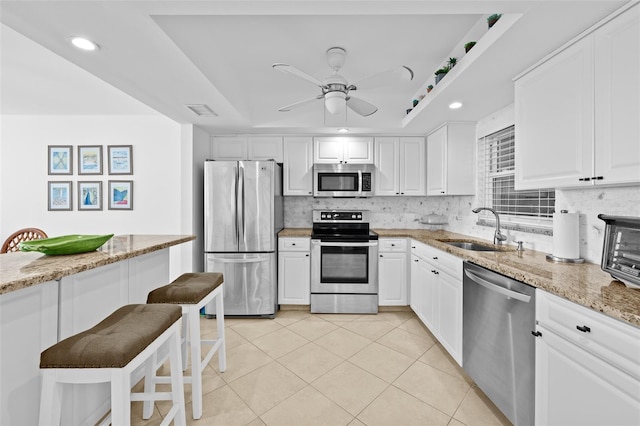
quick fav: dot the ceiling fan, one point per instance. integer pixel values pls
(335, 88)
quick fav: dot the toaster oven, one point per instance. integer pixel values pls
(621, 249)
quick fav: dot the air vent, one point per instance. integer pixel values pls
(202, 110)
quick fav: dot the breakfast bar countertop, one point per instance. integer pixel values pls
(21, 270)
(585, 284)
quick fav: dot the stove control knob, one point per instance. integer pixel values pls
(353, 216)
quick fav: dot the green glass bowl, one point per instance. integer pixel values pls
(66, 244)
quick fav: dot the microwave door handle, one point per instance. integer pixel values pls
(359, 182)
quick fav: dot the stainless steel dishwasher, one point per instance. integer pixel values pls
(498, 348)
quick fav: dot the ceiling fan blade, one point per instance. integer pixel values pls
(289, 69)
(361, 107)
(299, 104)
(384, 78)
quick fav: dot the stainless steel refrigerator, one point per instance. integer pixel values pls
(243, 213)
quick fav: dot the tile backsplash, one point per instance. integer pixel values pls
(405, 212)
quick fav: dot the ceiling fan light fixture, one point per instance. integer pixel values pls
(455, 105)
(335, 102)
(343, 130)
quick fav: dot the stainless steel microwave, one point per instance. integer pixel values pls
(343, 180)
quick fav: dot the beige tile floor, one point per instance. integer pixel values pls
(312, 369)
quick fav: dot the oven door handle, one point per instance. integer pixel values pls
(345, 244)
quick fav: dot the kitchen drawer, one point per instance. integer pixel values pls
(294, 244)
(445, 262)
(610, 339)
(420, 249)
(387, 245)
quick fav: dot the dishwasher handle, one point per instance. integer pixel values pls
(498, 289)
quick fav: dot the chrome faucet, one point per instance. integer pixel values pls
(498, 237)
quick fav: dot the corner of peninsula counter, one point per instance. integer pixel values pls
(21, 270)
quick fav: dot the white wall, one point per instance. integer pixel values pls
(156, 165)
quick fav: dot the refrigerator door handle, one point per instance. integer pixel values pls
(240, 204)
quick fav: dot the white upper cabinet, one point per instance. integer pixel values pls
(617, 99)
(298, 166)
(576, 114)
(247, 148)
(343, 150)
(400, 166)
(450, 160)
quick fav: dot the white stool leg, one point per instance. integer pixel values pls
(177, 382)
(196, 361)
(185, 339)
(222, 350)
(149, 384)
(120, 397)
(50, 400)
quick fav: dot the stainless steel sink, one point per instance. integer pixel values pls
(470, 246)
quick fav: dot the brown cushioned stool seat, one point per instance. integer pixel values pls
(115, 341)
(192, 291)
(112, 351)
(189, 288)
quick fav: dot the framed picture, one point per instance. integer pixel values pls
(90, 160)
(60, 195)
(60, 159)
(120, 195)
(90, 195)
(120, 159)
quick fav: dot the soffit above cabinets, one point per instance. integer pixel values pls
(169, 54)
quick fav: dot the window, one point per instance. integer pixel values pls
(496, 175)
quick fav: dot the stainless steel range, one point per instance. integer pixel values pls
(344, 263)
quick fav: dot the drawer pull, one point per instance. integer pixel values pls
(435, 272)
(307, 255)
(536, 333)
(584, 328)
(393, 245)
(293, 244)
(435, 257)
(415, 260)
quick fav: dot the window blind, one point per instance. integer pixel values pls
(496, 177)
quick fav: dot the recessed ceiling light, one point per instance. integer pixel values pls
(455, 105)
(343, 130)
(83, 43)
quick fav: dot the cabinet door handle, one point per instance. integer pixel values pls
(435, 257)
(415, 260)
(536, 333)
(583, 328)
(435, 272)
(393, 245)
(306, 255)
(402, 193)
(293, 244)
(442, 192)
(597, 178)
(381, 256)
(587, 179)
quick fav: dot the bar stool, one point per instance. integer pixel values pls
(192, 291)
(110, 352)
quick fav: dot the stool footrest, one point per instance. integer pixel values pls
(153, 396)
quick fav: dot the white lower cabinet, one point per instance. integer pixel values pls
(436, 295)
(28, 325)
(392, 272)
(587, 366)
(294, 271)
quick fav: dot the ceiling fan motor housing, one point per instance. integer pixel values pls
(336, 57)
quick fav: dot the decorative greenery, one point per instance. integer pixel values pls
(452, 62)
(469, 45)
(443, 70)
(493, 19)
(429, 88)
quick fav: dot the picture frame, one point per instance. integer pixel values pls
(120, 195)
(60, 195)
(120, 159)
(89, 159)
(60, 159)
(89, 195)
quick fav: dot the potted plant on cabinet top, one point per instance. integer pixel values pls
(493, 19)
(429, 88)
(441, 73)
(452, 62)
(468, 46)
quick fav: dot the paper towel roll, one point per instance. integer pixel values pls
(566, 237)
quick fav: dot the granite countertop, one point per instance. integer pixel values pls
(295, 232)
(585, 284)
(22, 269)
